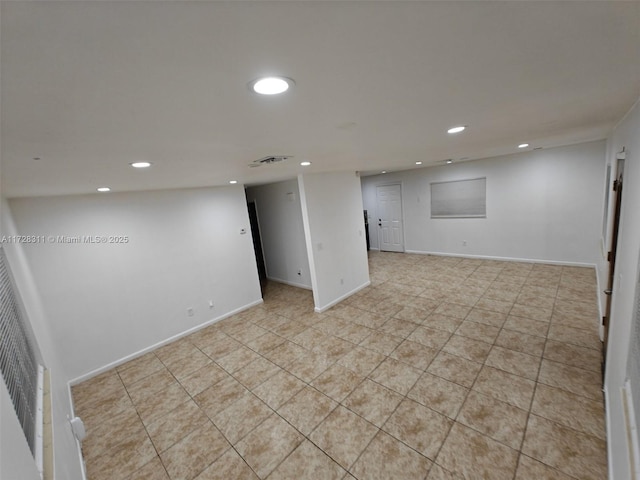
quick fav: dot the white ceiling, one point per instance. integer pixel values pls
(89, 87)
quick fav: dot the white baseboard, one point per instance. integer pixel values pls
(173, 338)
(292, 284)
(338, 300)
(504, 259)
(632, 431)
(607, 426)
(83, 467)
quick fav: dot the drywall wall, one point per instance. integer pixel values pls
(282, 232)
(67, 457)
(334, 232)
(16, 462)
(541, 205)
(165, 252)
(626, 135)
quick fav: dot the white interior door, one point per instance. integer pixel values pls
(390, 231)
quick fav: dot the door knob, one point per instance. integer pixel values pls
(608, 292)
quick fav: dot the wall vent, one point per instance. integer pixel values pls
(19, 363)
(268, 160)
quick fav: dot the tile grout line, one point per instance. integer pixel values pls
(452, 299)
(470, 389)
(144, 426)
(533, 394)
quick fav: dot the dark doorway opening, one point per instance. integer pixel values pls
(257, 245)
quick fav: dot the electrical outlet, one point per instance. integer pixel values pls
(210, 304)
(464, 243)
(190, 312)
(299, 272)
(342, 281)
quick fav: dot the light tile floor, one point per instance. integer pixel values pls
(444, 368)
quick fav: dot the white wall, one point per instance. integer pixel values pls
(106, 302)
(627, 135)
(67, 458)
(541, 205)
(282, 232)
(334, 229)
(16, 461)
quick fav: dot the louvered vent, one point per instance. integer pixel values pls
(268, 160)
(18, 362)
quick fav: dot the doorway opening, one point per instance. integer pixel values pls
(390, 229)
(257, 245)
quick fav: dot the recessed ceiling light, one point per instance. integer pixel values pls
(271, 85)
(37, 158)
(457, 129)
(104, 189)
(523, 145)
(383, 171)
(305, 164)
(418, 163)
(140, 164)
(449, 161)
(233, 182)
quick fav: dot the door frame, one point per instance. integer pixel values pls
(390, 184)
(257, 241)
(615, 191)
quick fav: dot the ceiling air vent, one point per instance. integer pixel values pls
(268, 160)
